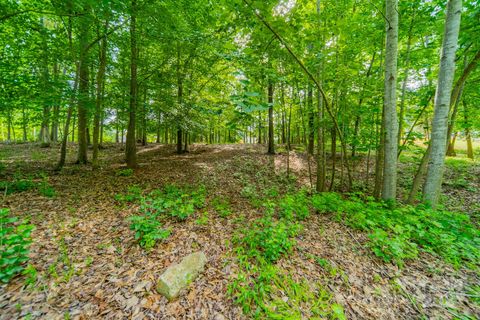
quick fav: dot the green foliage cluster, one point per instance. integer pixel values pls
(148, 230)
(295, 206)
(174, 201)
(222, 207)
(15, 240)
(133, 194)
(267, 239)
(397, 234)
(125, 173)
(170, 201)
(260, 284)
(17, 185)
(22, 184)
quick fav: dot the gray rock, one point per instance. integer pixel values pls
(179, 276)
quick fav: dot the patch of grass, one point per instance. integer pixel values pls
(31, 275)
(171, 201)
(474, 294)
(17, 185)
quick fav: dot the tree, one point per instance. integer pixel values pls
(436, 161)
(390, 104)
(130, 146)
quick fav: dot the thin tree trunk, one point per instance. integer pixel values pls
(468, 136)
(401, 120)
(419, 177)
(83, 94)
(99, 97)
(271, 144)
(453, 117)
(311, 121)
(360, 102)
(131, 146)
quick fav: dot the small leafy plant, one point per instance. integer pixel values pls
(222, 207)
(268, 239)
(46, 190)
(147, 230)
(15, 240)
(174, 202)
(133, 194)
(125, 173)
(295, 206)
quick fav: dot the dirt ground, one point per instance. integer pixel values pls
(101, 272)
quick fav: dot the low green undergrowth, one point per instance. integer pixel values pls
(222, 207)
(15, 240)
(22, 184)
(295, 206)
(398, 234)
(148, 230)
(133, 194)
(171, 201)
(124, 173)
(265, 291)
(174, 201)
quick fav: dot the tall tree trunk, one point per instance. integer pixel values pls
(453, 117)
(360, 102)
(56, 107)
(83, 98)
(63, 149)
(389, 189)
(379, 160)
(468, 136)
(24, 124)
(436, 162)
(321, 158)
(144, 118)
(401, 120)
(311, 120)
(271, 143)
(131, 146)
(419, 176)
(99, 96)
(179, 100)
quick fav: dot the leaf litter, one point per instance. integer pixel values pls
(90, 267)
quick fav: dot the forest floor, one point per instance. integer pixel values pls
(90, 266)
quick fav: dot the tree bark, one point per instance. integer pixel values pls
(401, 120)
(83, 93)
(468, 135)
(433, 180)
(391, 123)
(131, 146)
(271, 143)
(99, 96)
(311, 120)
